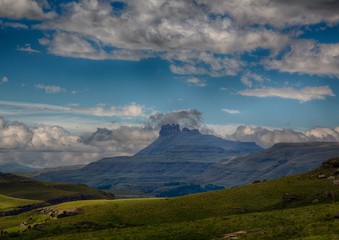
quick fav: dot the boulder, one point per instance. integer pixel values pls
(320, 176)
(288, 198)
(67, 213)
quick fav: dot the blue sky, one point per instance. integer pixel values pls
(80, 65)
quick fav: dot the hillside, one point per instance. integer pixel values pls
(169, 162)
(300, 206)
(15, 168)
(25, 188)
(282, 159)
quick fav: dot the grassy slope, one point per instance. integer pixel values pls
(254, 208)
(7, 203)
(21, 187)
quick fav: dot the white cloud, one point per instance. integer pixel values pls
(47, 145)
(13, 25)
(202, 63)
(302, 95)
(230, 111)
(276, 13)
(50, 89)
(155, 28)
(80, 46)
(27, 48)
(131, 110)
(193, 81)
(309, 57)
(249, 79)
(267, 137)
(29, 9)
(4, 79)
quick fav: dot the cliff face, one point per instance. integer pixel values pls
(187, 144)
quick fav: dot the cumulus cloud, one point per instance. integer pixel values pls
(302, 95)
(196, 82)
(267, 137)
(131, 110)
(249, 79)
(46, 145)
(277, 13)
(308, 57)
(190, 118)
(3, 80)
(230, 111)
(27, 48)
(124, 139)
(13, 25)
(29, 9)
(202, 63)
(50, 89)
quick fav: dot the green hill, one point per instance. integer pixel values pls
(10, 202)
(295, 207)
(25, 188)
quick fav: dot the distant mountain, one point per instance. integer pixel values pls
(186, 144)
(281, 159)
(170, 161)
(15, 168)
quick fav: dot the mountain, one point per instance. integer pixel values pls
(170, 161)
(186, 144)
(15, 168)
(281, 159)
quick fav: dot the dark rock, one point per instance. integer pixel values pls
(260, 233)
(193, 131)
(170, 129)
(329, 195)
(288, 198)
(331, 163)
(67, 213)
(336, 215)
(258, 181)
(336, 182)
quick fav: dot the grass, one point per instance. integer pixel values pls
(257, 209)
(21, 187)
(7, 203)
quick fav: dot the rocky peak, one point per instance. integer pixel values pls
(174, 129)
(188, 131)
(169, 129)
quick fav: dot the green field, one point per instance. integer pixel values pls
(257, 209)
(7, 203)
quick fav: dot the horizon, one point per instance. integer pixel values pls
(258, 72)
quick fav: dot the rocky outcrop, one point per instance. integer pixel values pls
(169, 129)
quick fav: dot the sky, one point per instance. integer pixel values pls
(264, 71)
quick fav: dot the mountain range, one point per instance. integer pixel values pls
(185, 161)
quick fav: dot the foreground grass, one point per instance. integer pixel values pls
(311, 222)
(7, 203)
